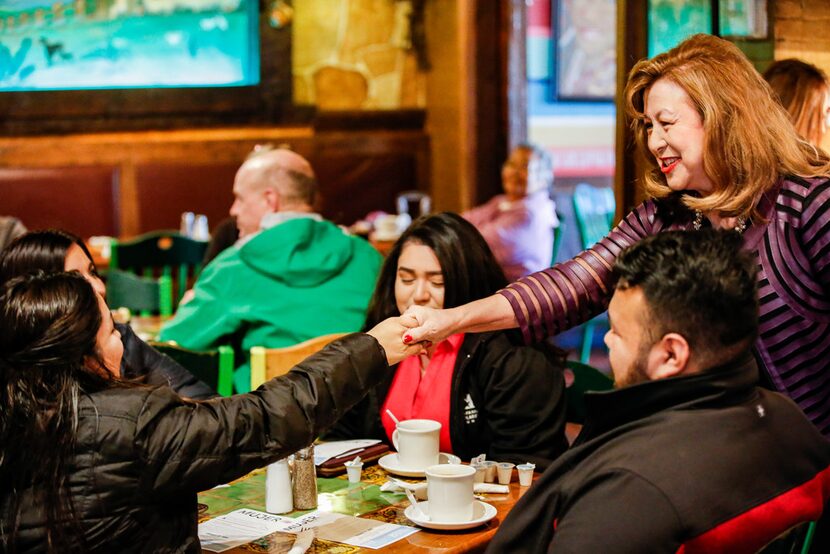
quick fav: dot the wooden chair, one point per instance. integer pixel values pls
(158, 253)
(140, 294)
(267, 363)
(585, 378)
(213, 367)
(594, 208)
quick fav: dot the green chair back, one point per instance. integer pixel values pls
(140, 294)
(586, 378)
(557, 237)
(213, 367)
(594, 208)
(166, 253)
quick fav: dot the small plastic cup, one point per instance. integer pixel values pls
(505, 471)
(525, 474)
(489, 471)
(481, 471)
(354, 471)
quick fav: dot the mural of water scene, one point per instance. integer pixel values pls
(98, 44)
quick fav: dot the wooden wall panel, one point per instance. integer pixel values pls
(166, 190)
(79, 199)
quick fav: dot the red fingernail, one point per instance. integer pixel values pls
(407, 339)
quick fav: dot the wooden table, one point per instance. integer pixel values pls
(147, 327)
(360, 499)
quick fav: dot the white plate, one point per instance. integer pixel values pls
(482, 513)
(390, 464)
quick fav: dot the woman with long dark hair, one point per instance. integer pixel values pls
(55, 251)
(491, 393)
(89, 462)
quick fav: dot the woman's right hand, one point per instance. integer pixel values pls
(492, 313)
(389, 332)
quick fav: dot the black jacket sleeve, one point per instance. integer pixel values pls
(142, 361)
(189, 446)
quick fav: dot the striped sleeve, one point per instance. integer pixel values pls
(815, 230)
(553, 300)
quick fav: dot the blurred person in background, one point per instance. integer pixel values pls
(10, 229)
(804, 91)
(518, 225)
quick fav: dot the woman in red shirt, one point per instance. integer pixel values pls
(490, 392)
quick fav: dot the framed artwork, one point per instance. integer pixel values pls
(585, 49)
(671, 21)
(745, 19)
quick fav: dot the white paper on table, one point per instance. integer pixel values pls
(328, 450)
(237, 528)
(355, 531)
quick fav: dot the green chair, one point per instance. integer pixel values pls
(158, 253)
(594, 208)
(586, 378)
(140, 294)
(557, 237)
(213, 367)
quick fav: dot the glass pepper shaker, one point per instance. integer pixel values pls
(305, 480)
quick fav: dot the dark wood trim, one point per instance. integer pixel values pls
(632, 46)
(516, 72)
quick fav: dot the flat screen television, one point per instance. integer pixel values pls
(77, 65)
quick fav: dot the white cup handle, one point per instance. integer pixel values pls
(395, 440)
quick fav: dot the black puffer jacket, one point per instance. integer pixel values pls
(143, 362)
(507, 402)
(143, 454)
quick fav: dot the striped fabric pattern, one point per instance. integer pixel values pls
(793, 254)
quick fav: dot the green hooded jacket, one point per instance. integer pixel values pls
(292, 282)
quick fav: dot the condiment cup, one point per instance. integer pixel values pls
(489, 471)
(481, 471)
(525, 474)
(505, 471)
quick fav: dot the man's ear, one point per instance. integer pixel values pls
(272, 198)
(668, 357)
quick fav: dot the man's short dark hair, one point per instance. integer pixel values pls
(699, 284)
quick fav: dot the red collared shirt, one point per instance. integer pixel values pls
(427, 396)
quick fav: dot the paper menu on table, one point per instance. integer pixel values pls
(328, 450)
(237, 528)
(243, 526)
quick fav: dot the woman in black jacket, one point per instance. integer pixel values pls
(53, 251)
(92, 463)
(491, 393)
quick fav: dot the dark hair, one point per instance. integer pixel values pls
(698, 284)
(469, 268)
(38, 250)
(48, 329)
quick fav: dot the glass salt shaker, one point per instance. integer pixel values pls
(305, 480)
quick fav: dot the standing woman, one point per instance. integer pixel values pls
(720, 151)
(54, 251)
(805, 93)
(492, 394)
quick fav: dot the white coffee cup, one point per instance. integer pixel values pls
(416, 441)
(450, 492)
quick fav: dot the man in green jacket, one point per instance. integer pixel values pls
(292, 276)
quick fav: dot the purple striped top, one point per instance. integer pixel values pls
(793, 254)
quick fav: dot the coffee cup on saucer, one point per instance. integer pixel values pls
(450, 492)
(416, 441)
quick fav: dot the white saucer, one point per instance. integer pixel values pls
(482, 513)
(390, 464)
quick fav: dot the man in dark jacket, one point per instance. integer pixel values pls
(688, 455)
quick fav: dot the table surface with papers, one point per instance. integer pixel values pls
(364, 499)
